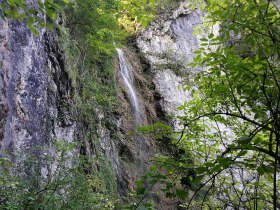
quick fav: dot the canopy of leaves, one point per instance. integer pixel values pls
(232, 123)
(38, 15)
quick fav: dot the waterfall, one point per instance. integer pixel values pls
(126, 70)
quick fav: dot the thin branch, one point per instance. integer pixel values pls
(204, 198)
(265, 126)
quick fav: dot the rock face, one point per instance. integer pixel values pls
(35, 92)
(36, 108)
(134, 151)
(168, 44)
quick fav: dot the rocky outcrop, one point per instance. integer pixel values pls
(37, 108)
(35, 92)
(169, 44)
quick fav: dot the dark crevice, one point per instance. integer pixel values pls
(65, 90)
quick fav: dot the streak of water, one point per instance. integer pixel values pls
(126, 70)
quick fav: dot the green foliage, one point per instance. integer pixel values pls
(231, 124)
(64, 186)
(34, 16)
(132, 14)
(100, 23)
(93, 25)
(157, 130)
(165, 6)
(94, 28)
(172, 176)
(232, 120)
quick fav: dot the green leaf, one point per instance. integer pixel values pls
(242, 153)
(201, 170)
(216, 168)
(51, 14)
(198, 179)
(204, 40)
(261, 170)
(182, 194)
(141, 190)
(209, 164)
(210, 36)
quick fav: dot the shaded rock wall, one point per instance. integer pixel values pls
(134, 151)
(35, 92)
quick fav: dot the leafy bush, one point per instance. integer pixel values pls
(61, 183)
(231, 124)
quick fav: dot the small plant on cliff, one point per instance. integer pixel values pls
(64, 184)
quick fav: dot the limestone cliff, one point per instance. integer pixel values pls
(37, 95)
(169, 44)
(35, 92)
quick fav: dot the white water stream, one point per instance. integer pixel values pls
(126, 70)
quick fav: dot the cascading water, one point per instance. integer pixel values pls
(138, 114)
(126, 70)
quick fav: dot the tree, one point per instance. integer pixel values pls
(36, 16)
(232, 123)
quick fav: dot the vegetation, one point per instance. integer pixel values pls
(231, 124)
(39, 16)
(88, 31)
(93, 26)
(228, 150)
(64, 184)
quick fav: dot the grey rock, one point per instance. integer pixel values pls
(33, 86)
(169, 44)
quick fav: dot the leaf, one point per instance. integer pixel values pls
(210, 36)
(139, 183)
(182, 194)
(141, 190)
(34, 31)
(204, 40)
(198, 179)
(216, 168)
(242, 153)
(144, 23)
(261, 170)
(244, 140)
(209, 164)
(201, 170)
(50, 13)
(198, 59)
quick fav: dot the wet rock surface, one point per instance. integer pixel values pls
(135, 152)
